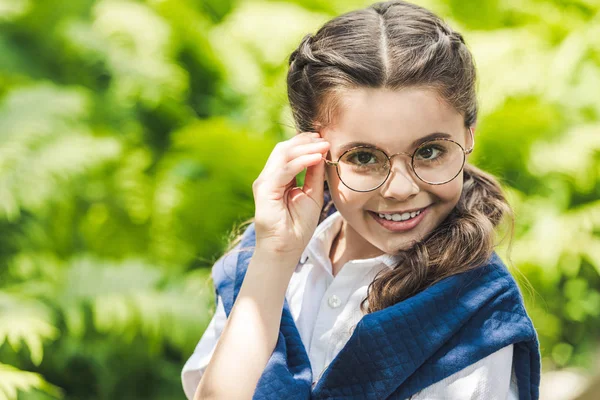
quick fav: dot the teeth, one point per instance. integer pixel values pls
(399, 217)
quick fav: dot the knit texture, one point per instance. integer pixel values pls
(395, 352)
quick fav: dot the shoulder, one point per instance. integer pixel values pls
(492, 280)
(504, 289)
(225, 267)
(229, 270)
(498, 299)
(473, 318)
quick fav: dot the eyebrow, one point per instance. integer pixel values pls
(416, 143)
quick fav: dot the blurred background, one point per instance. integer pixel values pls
(131, 133)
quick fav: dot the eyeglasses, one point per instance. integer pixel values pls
(436, 161)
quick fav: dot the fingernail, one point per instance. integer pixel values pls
(317, 140)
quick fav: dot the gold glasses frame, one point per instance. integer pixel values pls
(412, 159)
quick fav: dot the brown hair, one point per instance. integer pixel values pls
(394, 45)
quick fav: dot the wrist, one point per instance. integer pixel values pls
(280, 256)
(268, 275)
(277, 259)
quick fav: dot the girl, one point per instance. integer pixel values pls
(378, 278)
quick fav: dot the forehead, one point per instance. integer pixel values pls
(392, 119)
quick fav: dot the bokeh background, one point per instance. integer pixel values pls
(131, 133)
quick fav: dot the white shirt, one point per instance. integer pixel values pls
(326, 309)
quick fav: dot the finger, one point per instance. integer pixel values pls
(304, 137)
(294, 167)
(286, 145)
(320, 146)
(314, 182)
(308, 133)
(282, 155)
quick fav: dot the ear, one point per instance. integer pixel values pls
(317, 126)
(470, 139)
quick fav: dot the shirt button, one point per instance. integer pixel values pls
(334, 301)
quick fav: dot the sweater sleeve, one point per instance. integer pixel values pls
(198, 361)
(490, 378)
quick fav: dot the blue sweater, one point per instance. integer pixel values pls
(395, 352)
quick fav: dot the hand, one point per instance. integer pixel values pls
(286, 216)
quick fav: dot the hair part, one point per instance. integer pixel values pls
(389, 45)
(394, 45)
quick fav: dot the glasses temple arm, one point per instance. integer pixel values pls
(329, 162)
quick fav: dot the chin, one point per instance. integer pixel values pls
(404, 246)
(394, 242)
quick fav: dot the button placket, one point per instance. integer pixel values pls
(326, 333)
(329, 311)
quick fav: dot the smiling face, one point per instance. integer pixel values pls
(392, 121)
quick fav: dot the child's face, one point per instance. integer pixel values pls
(392, 121)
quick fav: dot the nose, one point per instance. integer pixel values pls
(402, 182)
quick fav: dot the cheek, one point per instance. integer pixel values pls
(448, 193)
(336, 187)
(343, 198)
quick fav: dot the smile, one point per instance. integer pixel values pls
(396, 222)
(400, 217)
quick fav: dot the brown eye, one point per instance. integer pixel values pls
(430, 152)
(363, 157)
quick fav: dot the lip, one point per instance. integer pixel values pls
(399, 226)
(403, 211)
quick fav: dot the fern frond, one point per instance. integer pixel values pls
(133, 297)
(13, 380)
(25, 322)
(46, 143)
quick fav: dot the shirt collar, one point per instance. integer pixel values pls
(319, 245)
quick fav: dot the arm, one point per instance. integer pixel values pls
(251, 331)
(286, 216)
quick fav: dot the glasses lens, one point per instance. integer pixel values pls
(438, 161)
(363, 168)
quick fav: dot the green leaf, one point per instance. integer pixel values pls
(25, 322)
(13, 380)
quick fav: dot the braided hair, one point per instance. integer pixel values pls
(394, 45)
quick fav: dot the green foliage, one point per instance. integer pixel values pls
(25, 322)
(12, 380)
(131, 133)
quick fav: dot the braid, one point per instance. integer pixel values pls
(457, 37)
(300, 63)
(464, 241)
(303, 55)
(410, 47)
